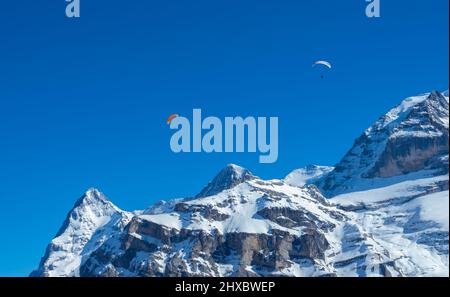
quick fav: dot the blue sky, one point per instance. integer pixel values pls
(83, 102)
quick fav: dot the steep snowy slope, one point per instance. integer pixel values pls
(91, 222)
(409, 219)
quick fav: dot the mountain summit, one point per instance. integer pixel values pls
(227, 178)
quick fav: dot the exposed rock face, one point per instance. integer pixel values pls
(426, 138)
(207, 211)
(203, 254)
(290, 218)
(402, 157)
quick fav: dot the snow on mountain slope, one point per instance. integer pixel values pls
(307, 175)
(236, 209)
(405, 189)
(411, 137)
(90, 223)
(434, 207)
(411, 225)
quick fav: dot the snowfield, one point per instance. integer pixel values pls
(380, 193)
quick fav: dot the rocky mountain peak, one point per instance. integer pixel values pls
(227, 178)
(91, 197)
(437, 108)
(78, 235)
(412, 136)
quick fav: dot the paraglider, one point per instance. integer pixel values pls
(171, 118)
(323, 63)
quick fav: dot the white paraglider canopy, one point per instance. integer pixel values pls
(321, 62)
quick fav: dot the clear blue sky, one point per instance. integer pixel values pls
(83, 102)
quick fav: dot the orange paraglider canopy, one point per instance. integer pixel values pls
(171, 118)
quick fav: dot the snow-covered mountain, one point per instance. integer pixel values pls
(255, 228)
(387, 216)
(411, 137)
(88, 225)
